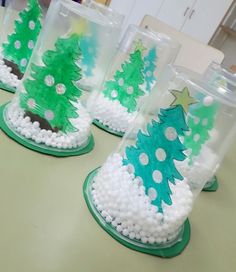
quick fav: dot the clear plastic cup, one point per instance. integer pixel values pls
(48, 113)
(140, 59)
(144, 192)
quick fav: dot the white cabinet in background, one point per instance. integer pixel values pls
(175, 12)
(204, 18)
(197, 18)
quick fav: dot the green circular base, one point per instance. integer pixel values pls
(106, 128)
(212, 186)
(7, 87)
(166, 251)
(41, 147)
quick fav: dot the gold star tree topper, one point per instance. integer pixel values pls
(79, 27)
(138, 45)
(183, 98)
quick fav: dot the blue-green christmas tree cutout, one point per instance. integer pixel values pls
(201, 121)
(154, 154)
(149, 68)
(89, 46)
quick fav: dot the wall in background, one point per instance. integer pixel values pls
(225, 37)
(229, 49)
(196, 18)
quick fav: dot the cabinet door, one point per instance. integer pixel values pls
(205, 17)
(175, 12)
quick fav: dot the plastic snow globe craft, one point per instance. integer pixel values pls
(19, 33)
(141, 56)
(225, 81)
(144, 192)
(48, 113)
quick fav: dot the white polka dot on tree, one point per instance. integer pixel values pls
(196, 137)
(23, 62)
(157, 176)
(170, 133)
(31, 103)
(152, 193)
(31, 44)
(49, 115)
(114, 94)
(160, 154)
(60, 88)
(143, 159)
(17, 44)
(208, 101)
(31, 25)
(49, 80)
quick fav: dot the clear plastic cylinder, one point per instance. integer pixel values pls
(49, 108)
(138, 64)
(146, 189)
(224, 81)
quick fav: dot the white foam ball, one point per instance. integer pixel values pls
(119, 228)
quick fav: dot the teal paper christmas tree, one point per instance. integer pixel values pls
(149, 68)
(51, 91)
(88, 45)
(20, 44)
(200, 122)
(125, 87)
(154, 154)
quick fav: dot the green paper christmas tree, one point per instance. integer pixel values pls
(154, 153)
(200, 122)
(20, 44)
(125, 87)
(149, 68)
(51, 90)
